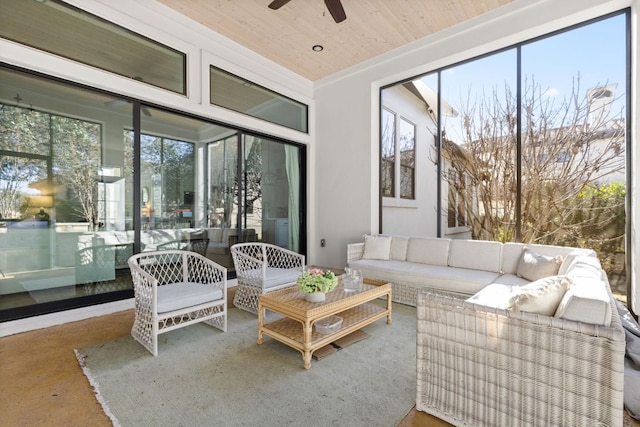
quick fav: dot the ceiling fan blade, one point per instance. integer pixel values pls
(277, 4)
(336, 10)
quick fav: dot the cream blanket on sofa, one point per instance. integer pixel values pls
(631, 362)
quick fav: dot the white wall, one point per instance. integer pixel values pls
(347, 130)
(417, 217)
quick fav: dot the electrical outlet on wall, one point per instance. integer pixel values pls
(323, 243)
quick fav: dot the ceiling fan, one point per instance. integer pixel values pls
(335, 8)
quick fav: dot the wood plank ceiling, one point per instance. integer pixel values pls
(287, 35)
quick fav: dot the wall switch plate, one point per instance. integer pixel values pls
(323, 243)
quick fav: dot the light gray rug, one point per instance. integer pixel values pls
(205, 377)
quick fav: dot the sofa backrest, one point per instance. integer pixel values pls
(475, 254)
(399, 245)
(511, 253)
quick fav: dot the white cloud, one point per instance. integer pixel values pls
(551, 92)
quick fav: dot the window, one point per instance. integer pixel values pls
(241, 95)
(407, 145)
(530, 144)
(83, 187)
(388, 160)
(61, 29)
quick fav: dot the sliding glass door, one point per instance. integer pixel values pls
(87, 179)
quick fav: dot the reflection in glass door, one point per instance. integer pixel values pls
(271, 196)
(263, 202)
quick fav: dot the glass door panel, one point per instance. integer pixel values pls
(272, 191)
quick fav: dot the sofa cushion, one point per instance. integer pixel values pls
(475, 254)
(174, 296)
(377, 247)
(588, 301)
(542, 296)
(533, 266)
(428, 250)
(459, 280)
(511, 253)
(511, 280)
(399, 248)
(578, 256)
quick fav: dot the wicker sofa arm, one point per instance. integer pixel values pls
(354, 251)
(482, 366)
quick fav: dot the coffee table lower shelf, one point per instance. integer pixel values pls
(291, 332)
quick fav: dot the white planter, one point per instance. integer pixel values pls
(315, 297)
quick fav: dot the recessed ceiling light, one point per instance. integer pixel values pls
(317, 48)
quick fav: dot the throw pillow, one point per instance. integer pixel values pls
(542, 296)
(377, 247)
(494, 295)
(533, 266)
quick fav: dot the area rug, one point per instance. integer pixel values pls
(203, 376)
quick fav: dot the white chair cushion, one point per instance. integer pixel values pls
(428, 250)
(174, 296)
(280, 276)
(533, 266)
(377, 247)
(475, 254)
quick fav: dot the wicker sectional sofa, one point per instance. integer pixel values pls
(489, 356)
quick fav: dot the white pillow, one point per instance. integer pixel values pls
(542, 296)
(533, 266)
(495, 295)
(377, 247)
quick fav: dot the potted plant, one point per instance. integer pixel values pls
(315, 283)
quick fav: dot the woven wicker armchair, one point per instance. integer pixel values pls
(481, 366)
(174, 289)
(262, 268)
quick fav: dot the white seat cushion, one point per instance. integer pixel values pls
(174, 296)
(426, 276)
(280, 276)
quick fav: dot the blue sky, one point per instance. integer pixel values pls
(595, 52)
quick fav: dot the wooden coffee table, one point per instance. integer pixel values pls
(296, 329)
